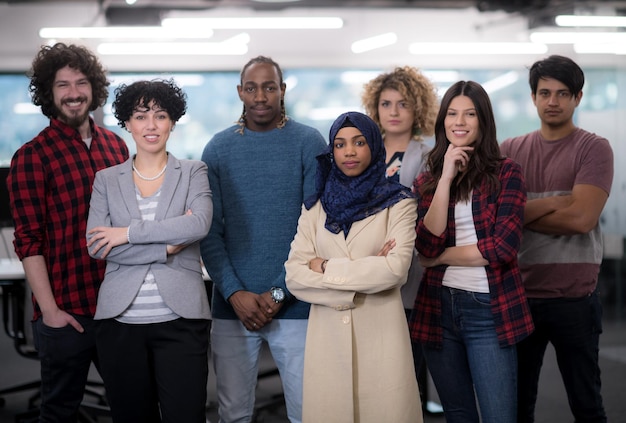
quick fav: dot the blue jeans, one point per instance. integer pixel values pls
(573, 326)
(66, 356)
(236, 352)
(471, 364)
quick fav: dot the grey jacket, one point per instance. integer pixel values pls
(413, 163)
(178, 276)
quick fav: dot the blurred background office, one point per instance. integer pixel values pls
(328, 49)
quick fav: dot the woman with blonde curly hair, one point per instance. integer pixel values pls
(404, 105)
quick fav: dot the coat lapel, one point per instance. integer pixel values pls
(127, 189)
(168, 189)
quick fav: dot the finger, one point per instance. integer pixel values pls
(76, 325)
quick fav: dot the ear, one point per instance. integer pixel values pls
(578, 98)
(240, 92)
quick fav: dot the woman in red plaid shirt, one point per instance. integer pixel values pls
(471, 308)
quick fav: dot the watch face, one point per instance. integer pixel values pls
(278, 294)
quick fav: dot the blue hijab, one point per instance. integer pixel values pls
(347, 199)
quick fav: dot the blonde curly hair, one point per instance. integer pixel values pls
(416, 89)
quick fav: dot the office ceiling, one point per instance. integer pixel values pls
(412, 20)
(509, 6)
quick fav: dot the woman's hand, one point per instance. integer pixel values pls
(388, 246)
(455, 160)
(316, 264)
(106, 237)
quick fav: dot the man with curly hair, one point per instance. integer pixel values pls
(50, 183)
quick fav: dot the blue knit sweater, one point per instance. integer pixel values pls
(259, 181)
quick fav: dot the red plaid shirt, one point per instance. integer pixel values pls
(499, 221)
(50, 187)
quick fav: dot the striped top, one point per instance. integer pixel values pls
(148, 306)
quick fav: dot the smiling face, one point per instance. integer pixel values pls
(351, 152)
(150, 127)
(461, 122)
(395, 113)
(72, 94)
(261, 93)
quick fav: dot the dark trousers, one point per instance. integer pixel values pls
(573, 326)
(66, 356)
(155, 372)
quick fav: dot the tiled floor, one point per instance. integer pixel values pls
(551, 407)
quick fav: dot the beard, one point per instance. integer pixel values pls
(74, 119)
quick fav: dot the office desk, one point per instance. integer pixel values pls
(11, 269)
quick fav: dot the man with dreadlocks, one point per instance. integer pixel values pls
(260, 172)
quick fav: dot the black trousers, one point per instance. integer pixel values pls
(155, 372)
(66, 356)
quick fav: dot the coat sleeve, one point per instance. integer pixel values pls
(100, 215)
(345, 276)
(150, 238)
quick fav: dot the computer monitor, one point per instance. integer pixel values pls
(5, 209)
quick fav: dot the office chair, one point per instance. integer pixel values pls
(14, 310)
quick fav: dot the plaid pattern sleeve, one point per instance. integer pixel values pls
(50, 187)
(499, 224)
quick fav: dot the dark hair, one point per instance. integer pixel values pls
(283, 114)
(561, 68)
(165, 94)
(416, 89)
(52, 58)
(485, 159)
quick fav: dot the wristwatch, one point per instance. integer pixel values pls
(278, 294)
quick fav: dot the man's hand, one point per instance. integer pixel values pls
(59, 319)
(254, 310)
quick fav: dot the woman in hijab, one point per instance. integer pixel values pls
(349, 258)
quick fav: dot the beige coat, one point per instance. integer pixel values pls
(358, 363)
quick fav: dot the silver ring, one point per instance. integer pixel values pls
(253, 325)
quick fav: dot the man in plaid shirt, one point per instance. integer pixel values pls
(50, 187)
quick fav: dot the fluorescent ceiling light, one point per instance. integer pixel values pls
(373, 43)
(237, 45)
(558, 37)
(594, 21)
(501, 82)
(256, 23)
(26, 109)
(477, 48)
(138, 32)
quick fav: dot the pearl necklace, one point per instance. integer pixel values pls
(154, 178)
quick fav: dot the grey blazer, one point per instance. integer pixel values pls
(413, 163)
(178, 276)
